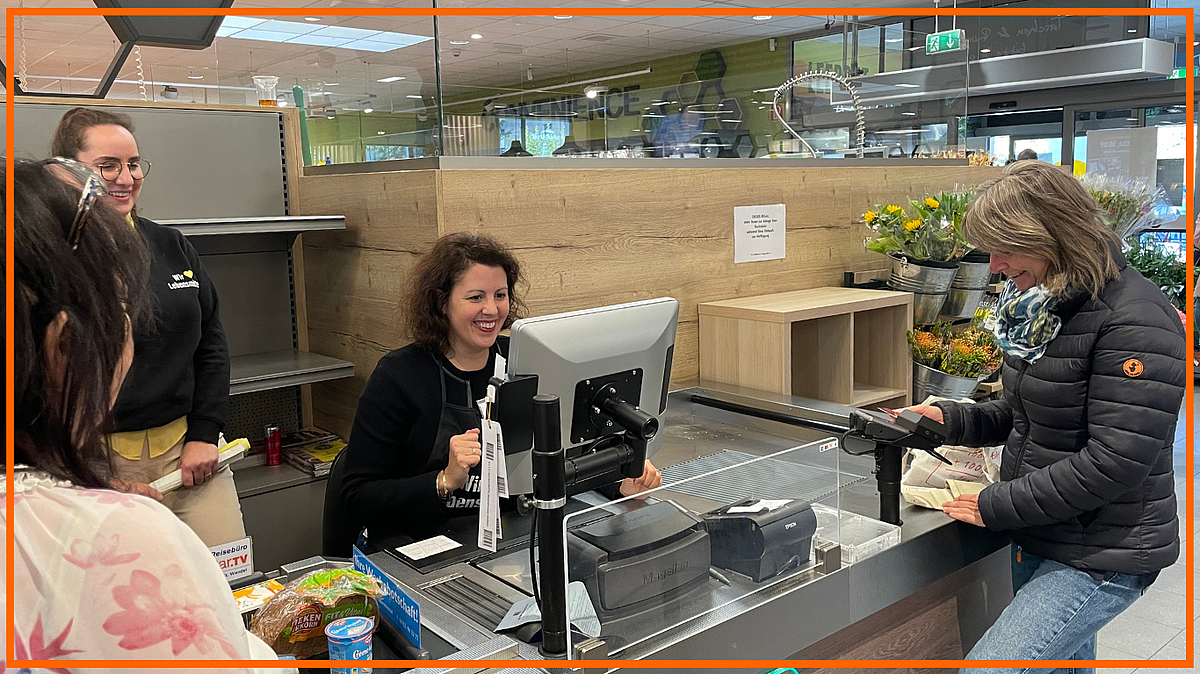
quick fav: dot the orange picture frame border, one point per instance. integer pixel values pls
(1189, 171)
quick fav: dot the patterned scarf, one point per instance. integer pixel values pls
(1024, 323)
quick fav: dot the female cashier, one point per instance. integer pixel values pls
(173, 405)
(413, 459)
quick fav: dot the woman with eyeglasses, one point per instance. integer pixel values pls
(96, 574)
(174, 403)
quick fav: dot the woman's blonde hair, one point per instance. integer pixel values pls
(1039, 210)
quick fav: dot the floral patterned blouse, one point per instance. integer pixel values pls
(103, 575)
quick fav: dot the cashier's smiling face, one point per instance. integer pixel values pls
(477, 309)
(113, 147)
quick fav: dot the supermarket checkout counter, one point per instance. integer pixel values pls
(930, 594)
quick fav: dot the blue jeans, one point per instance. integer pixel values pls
(1055, 614)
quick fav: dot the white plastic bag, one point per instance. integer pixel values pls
(928, 482)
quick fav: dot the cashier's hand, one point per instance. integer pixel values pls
(198, 463)
(465, 452)
(140, 488)
(930, 411)
(964, 508)
(650, 479)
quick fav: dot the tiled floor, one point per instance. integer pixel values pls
(1153, 628)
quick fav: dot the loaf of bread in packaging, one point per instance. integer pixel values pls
(293, 621)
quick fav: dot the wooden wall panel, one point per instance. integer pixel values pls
(355, 278)
(595, 237)
(585, 238)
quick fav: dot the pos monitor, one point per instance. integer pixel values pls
(624, 349)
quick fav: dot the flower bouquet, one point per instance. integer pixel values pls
(1129, 206)
(924, 241)
(950, 364)
(927, 230)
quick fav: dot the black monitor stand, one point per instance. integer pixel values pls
(554, 475)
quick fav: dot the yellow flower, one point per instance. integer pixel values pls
(910, 225)
(893, 209)
(869, 216)
(931, 202)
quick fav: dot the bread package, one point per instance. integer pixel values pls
(293, 621)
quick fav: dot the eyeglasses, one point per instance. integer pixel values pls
(111, 170)
(92, 188)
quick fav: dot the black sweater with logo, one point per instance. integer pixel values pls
(387, 484)
(181, 362)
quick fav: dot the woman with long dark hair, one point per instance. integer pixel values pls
(97, 574)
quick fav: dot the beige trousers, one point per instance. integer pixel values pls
(212, 510)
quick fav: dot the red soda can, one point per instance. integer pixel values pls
(274, 446)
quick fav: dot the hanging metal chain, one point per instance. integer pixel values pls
(859, 119)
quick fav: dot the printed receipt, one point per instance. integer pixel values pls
(760, 506)
(579, 608)
(428, 547)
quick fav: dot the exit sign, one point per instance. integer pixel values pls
(1180, 73)
(948, 40)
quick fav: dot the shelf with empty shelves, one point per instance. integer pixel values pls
(257, 225)
(844, 345)
(277, 369)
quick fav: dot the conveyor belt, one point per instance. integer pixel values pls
(768, 479)
(470, 599)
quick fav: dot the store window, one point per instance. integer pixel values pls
(1004, 135)
(539, 137)
(880, 49)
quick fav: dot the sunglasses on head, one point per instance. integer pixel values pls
(92, 187)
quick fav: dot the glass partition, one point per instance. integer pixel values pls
(725, 533)
(400, 87)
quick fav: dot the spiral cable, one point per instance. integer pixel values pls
(22, 57)
(137, 54)
(860, 123)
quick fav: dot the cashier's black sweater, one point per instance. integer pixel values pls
(181, 363)
(385, 484)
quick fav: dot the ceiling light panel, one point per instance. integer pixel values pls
(295, 32)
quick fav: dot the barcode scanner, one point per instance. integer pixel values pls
(876, 433)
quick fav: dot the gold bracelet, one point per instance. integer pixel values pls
(442, 491)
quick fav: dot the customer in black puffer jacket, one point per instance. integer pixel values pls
(1093, 378)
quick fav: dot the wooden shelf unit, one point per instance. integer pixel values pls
(844, 345)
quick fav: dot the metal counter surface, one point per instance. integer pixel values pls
(932, 547)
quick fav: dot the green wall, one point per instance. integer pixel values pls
(748, 67)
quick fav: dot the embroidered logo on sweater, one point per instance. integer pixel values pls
(184, 280)
(1133, 367)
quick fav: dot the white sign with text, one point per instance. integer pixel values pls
(758, 233)
(236, 559)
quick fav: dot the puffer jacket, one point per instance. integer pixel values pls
(1086, 476)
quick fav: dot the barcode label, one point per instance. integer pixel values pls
(489, 501)
(501, 467)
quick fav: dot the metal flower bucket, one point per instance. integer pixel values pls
(928, 281)
(930, 382)
(968, 288)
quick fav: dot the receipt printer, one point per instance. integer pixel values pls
(761, 538)
(649, 555)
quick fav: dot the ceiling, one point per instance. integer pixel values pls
(69, 54)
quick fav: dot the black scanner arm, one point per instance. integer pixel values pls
(875, 433)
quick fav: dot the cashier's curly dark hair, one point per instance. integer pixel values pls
(60, 418)
(435, 274)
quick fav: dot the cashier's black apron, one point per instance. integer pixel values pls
(459, 414)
